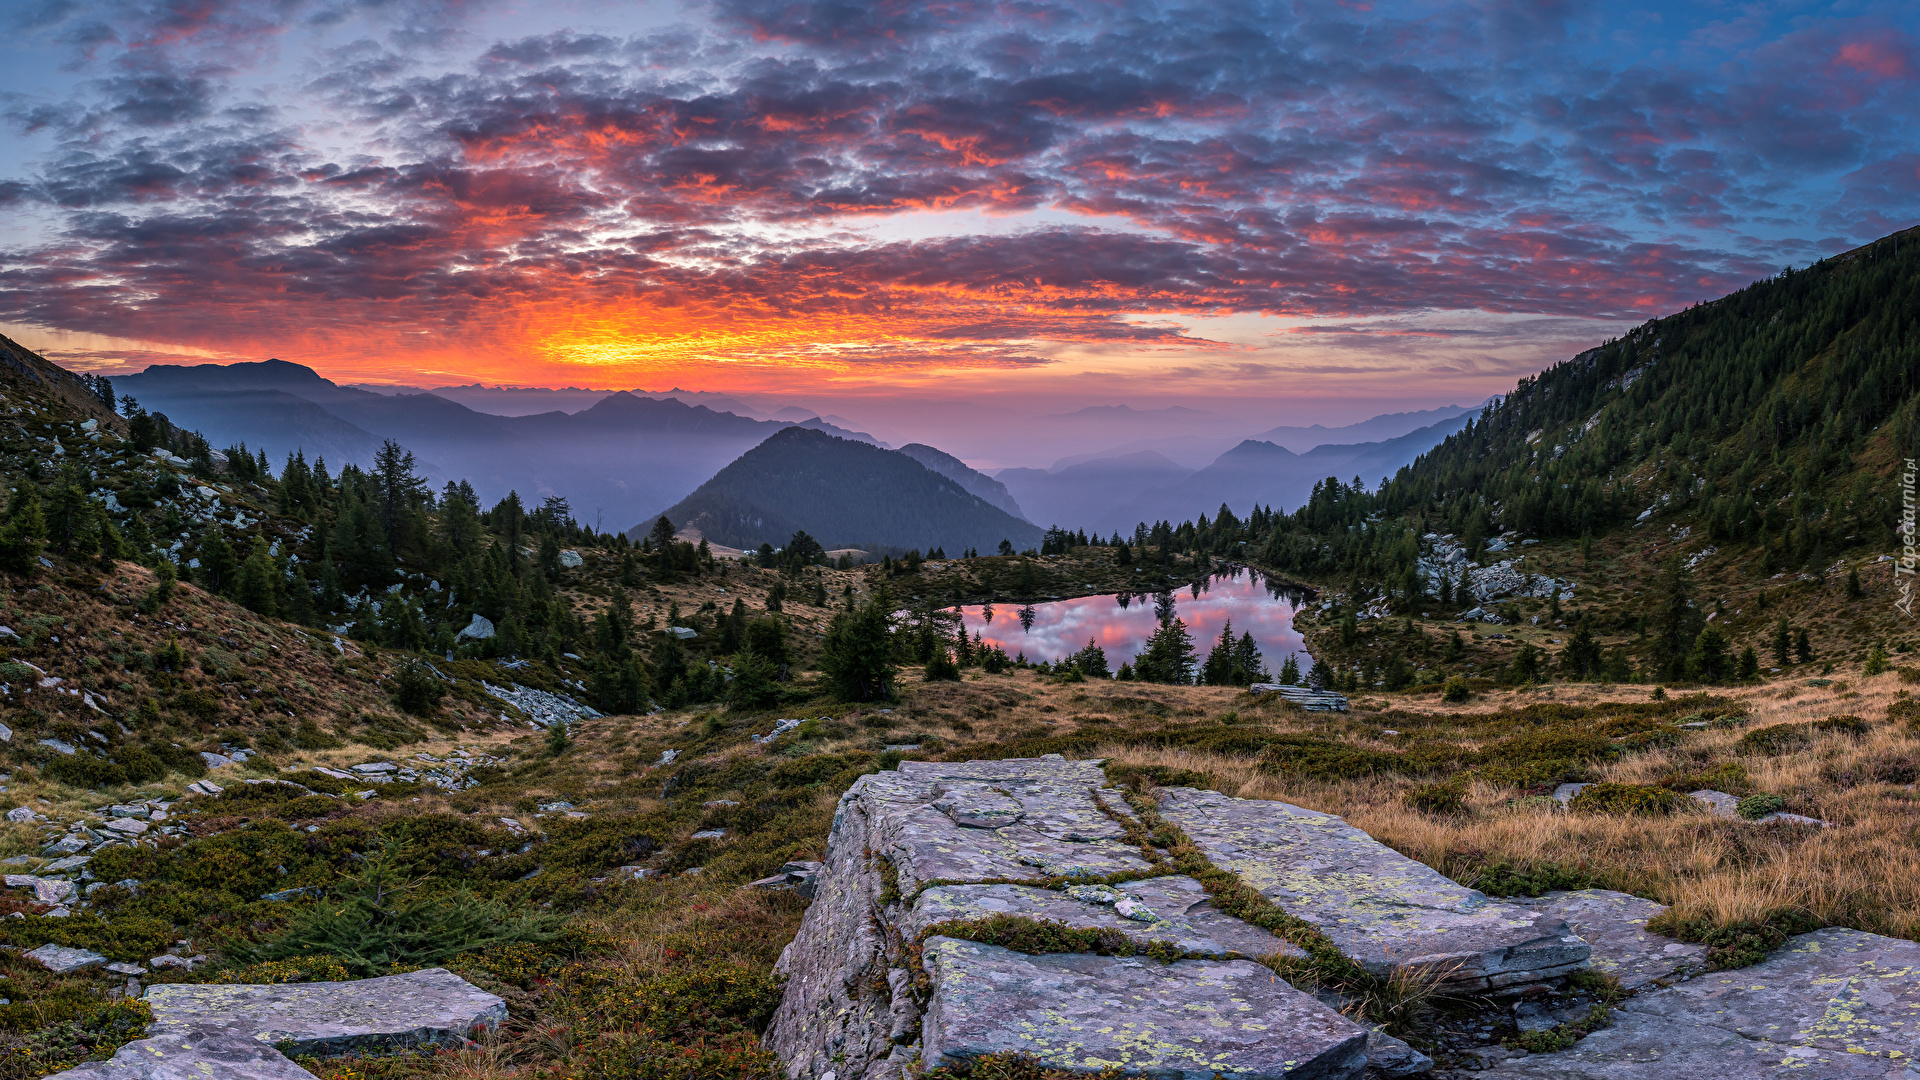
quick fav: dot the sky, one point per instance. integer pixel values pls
(1344, 206)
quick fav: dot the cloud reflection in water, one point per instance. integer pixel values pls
(1060, 628)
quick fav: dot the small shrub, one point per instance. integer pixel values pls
(1755, 807)
(1505, 878)
(1617, 798)
(1445, 797)
(1842, 725)
(1737, 944)
(1776, 739)
(1728, 776)
(1456, 690)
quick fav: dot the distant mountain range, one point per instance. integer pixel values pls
(843, 493)
(617, 462)
(1112, 494)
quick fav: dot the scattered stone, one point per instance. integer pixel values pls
(66, 845)
(186, 963)
(375, 767)
(543, 709)
(555, 807)
(1794, 819)
(780, 727)
(66, 865)
(1615, 925)
(638, 873)
(133, 811)
(63, 747)
(1565, 792)
(121, 967)
(710, 834)
(60, 960)
(205, 787)
(1717, 803)
(191, 1055)
(215, 761)
(684, 633)
(20, 814)
(667, 756)
(305, 892)
(570, 559)
(1393, 1058)
(1384, 910)
(1307, 698)
(128, 826)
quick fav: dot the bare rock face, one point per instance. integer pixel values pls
(1615, 924)
(219, 1031)
(1384, 910)
(1830, 1004)
(882, 982)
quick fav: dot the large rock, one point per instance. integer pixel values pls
(1833, 1003)
(1382, 909)
(216, 1031)
(1615, 925)
(430, 1006)
(1188, 1020)
(191, 1056)
(875, 990)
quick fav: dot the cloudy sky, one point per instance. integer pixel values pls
(1105, 200)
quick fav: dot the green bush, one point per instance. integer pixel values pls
(1851, 726)
(1741, 943)
(1776, 739)
(1617, 798)
(1728, 776)
(1506, 878)
(1456, 690)
(1445, 797)
(1755, 807)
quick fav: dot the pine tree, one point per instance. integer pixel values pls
(1290, 671)
(26, 529)
(1803, 646)
(1168, 657)
(1707, 660)
(1782, 643)
(258, 586)
(1218, 668)
(857, 654)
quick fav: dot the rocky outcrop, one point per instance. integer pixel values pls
(1384, 910)
(911, 955)
(216, 1031)
(1831, 1004)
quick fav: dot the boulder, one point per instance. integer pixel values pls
(1188, 1020)
(1382, 909)
(1615, 925)
(191, 1055)
(60, 960)
(882, 979)
(420, 1007)
(1832, 1004)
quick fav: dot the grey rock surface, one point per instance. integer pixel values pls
(872, 993)
(1615, 925)
(1186, 919)
(1384, 910)
(1833, 1003)
(430, 1006)
(1189, 1020)
(191, 1056)
(59, 959)
(1717, 803)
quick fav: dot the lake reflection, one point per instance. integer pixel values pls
(1121, 624)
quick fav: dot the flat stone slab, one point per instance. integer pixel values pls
(1384, 910)
(191, 1056)
(1717, 803)
(1023, 825)
(1615, 925)
(1833, 1003)
(1185, 918)
(1189, 1020)
(323, 1018)
(59, 959)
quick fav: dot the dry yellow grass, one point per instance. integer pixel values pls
(1863, 872)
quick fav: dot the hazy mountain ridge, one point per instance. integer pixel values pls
(616, 462)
